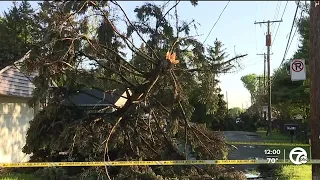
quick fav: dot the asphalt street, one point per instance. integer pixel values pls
(245, 151)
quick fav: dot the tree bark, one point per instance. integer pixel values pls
(314, 87)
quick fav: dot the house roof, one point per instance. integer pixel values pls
(93, 98)
(13, 82)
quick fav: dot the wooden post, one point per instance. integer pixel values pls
(314, 66)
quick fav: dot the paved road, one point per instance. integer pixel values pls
(245, 151)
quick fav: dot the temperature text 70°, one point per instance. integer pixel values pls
(272, 160)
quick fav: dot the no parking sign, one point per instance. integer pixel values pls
(298, 69)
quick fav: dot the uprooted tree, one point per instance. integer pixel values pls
(164, 70)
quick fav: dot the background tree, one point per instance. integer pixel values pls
(292, 98)
(16, 33)
(250, 82)
(235, 112)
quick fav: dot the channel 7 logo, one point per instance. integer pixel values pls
(301, 156)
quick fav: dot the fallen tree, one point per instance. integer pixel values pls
(159, 83)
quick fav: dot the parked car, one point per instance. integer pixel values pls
(238, 120)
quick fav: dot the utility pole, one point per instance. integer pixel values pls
(264, 71)
(259, 84)
(268, 44)
(314, 66)
(227, 101)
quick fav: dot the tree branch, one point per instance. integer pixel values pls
(126, 16)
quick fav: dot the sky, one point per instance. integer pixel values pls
(238, 33)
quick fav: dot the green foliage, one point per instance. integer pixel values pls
(92, 174)
(16, 176)
(216, 121)
(52, 174)
(48, 132)
(289, 172)
(214, 65)
(235, 112)
(159, 88)
(250, 82)
(268, 170)
(250, 122)
(16, 33)
(288, 97)
(143, 173)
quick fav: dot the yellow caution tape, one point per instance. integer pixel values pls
(268, 144)
(126, 163)
(148, 163)
(237, 162)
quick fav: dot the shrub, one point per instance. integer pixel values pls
(52, 174)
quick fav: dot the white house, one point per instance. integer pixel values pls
(15, 91)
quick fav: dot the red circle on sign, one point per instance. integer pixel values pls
(297, 68)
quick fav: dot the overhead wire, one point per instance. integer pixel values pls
(266, 10)
(216, 22)
(288, 42)
(279, 23)
(255, 27)
(263, 49)
(252, 63)
(297, 28)
(276, 13)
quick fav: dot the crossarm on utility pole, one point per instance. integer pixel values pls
(262, 22)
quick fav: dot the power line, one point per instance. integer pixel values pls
(265, 18)
(255, 27)
(274, 39)
(287, 47)
(293, 22)
(253, 59)
(216, 22)
(252, 64)
(277, 11)
(266, 10)
(297, 28)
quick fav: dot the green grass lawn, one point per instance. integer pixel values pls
(275, 137)
(16, 176)
(295, 172)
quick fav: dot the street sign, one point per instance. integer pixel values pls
(297, 70)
